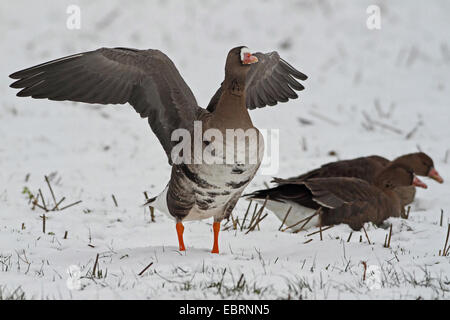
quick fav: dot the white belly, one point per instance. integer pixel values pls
(226, 172)
(296, 214)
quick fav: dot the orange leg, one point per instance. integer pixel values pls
(216, 229)
(180, 230)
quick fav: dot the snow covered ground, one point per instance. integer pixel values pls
(397, 76)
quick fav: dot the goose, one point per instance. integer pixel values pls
(199, 187)
(366, 168)
(348, 200)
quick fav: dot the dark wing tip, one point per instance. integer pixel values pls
(15, 75)
(299, 75)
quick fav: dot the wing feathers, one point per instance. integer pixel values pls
(269, 81)
(147, 79)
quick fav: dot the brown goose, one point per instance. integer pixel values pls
(150, 82)
(341, 199)
(366, 168)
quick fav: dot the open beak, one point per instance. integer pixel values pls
(249, 59)
(418, 183)
(435, 175)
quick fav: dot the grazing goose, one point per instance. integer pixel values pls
(341, 199)
(150, 82)
(366, 168)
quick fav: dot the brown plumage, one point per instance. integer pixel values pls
(366, 168)
(150, 82)
(346, 200)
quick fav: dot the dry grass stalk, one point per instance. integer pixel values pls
(35, 199)
(350, 236)
(446, 250)
(364, 263)
(115, 200)
(56, 207)
(245, 216)
(51, 191)
(324, 118)
(306, 220)
(320, 231)
(95, 266)
(152, 209)
(367, 236)
(381, 124)
(234, 221)
(258, 218)
(43, 200)
(253, 215)
(408, 210)
(442, 217)
(44, 218)
(71, 205)
(145, 269)
(285, 217)
(390, 236)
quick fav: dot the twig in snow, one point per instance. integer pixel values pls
(350, 236)
(319, 231)
(389, 238)
(324, 118)
(44, 218)
(145, 269)
(413, 131)
(407, 212)
(51, 192)
(367, 236)
(71, 205)
(258, 218)
(43, 200)
(382, 125)
(95, 266)
(115, 201)
(446, 250)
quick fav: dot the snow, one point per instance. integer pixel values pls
(397, 76)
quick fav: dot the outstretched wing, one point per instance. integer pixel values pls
(147, 79)
(268, 82)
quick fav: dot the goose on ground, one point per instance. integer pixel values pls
(149, 81)
(352, 201)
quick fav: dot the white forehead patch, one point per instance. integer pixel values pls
(244, 50)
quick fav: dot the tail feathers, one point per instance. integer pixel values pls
(297, 193)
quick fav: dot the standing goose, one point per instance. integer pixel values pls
(366, 168)
(150, 82)
(342, 199)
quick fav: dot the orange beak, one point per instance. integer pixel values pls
(433, 174)
(249, 59)
(418, 183)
